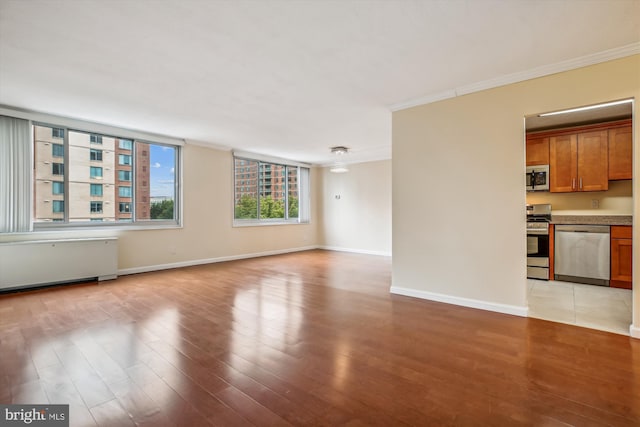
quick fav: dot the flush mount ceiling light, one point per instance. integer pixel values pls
(339, 151)
(588, 107)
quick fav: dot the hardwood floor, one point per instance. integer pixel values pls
(311, 338)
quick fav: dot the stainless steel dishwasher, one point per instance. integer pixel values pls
(582, 254)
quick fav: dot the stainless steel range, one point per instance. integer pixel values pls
(538, 219)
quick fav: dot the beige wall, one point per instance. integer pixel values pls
(458, 184)
(618, 200)
(355, 208)
(207, 233)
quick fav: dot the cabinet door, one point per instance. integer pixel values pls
(563, 164)
(621, 260)
(593, 161)
(537, 151)
(620, 143)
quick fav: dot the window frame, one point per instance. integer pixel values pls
(244, 170)
(96, 203)
(119, 134)
(97, 153)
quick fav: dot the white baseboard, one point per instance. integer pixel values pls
(465, 302)
(190, 263)
(356, 251)
(634, 331)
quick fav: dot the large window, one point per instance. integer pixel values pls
(266, 192)
(134, 183)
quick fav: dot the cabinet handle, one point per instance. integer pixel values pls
(573, 183)
(581, 183)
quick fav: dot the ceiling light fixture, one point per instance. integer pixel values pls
(338, 167)
(588, 107)
(339, 150)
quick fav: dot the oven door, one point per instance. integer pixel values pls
(537, 245)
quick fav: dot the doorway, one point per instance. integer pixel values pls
(585, 188)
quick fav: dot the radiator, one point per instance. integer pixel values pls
(24, 264)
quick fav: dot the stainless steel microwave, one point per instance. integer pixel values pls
(537, 178)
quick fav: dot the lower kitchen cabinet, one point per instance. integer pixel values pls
(621, 257)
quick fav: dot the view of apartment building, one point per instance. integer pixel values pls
(268, 179)
(97, 185)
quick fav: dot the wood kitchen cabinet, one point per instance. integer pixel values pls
(537, 151)
(620, 150)
(579, 162)
(621, 257)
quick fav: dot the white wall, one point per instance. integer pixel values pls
(458, 186)
(355, 208)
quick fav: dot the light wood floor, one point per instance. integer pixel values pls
(312, 338)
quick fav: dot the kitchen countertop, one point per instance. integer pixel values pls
(592, 219)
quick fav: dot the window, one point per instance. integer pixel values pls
(57, 187)
(274, 196)
(96, 190)
(125, 144)
(124, 175)
(96, 207)
(147, 185)
(57, 150)
(57, 168)
(95, 172)
(95, 155)
(58, 206)
(124, 191)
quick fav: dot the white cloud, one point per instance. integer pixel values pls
(156, 165)
(173, 170)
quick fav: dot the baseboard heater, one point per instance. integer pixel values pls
(44, 262)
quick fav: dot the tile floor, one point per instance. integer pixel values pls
(596, 307)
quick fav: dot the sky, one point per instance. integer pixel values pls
(162, 166)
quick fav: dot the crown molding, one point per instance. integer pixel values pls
(545, 70)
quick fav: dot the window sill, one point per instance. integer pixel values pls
(255, 223)
(103, 227)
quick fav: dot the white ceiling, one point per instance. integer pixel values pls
(282, 78)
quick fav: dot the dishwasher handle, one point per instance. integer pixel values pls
(584, 228)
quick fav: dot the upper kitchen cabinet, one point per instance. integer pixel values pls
(563, 163)
(579, 162)
(620, 149)
(537, 151)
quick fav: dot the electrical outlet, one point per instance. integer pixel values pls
(595, 203)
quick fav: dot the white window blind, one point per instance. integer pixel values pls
(15, 175)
